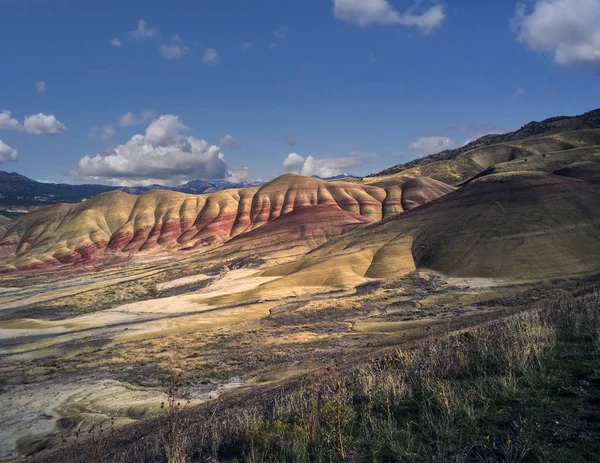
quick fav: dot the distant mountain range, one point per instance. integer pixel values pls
(19, 194)
(336, 177)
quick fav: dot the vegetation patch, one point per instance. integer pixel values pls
(523, 388)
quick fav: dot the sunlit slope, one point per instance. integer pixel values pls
(119, 223)
(521, 225)
(583, 143)
(579, 163)
(313, 226)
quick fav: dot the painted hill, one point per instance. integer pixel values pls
(554, 135)
(3, 222)
(518, 225)
(120, 223)
(19, 194)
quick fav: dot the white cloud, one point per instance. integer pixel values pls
(279, 35)
(108, 131)
(210, 56)
(7, 153)
(431, 145)
(161, 155)
(173, 51)
(143, 31)
(569, 29)
(115, 42)
(324, 167)
(520, 92)
(8, 122)
(40, 86)
(128, 119)
(38, 124)
(236, 175)
(246, 46)
(177, 49)
(230, 142)
(43, 124)
(367, 12)
(293, 163)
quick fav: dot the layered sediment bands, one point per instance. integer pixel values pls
(519, 225)
(290, 208)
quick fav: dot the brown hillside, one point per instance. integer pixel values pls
(470, 163)
(554, 134)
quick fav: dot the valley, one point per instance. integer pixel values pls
(238, 296)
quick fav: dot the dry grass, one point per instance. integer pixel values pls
(445, 400)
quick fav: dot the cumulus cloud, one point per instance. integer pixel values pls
(43, 124)
(161, 155)
(430, 145)
(40, 86)
(7, 122)
(115, 42)
(38, 124)
(568, 29)
(230, 142)
(236, 175)
(368, 12)
(143, 31)
(7, 153)
(177, 49)
(128, 119)
(324, 167)
(210, 56)
(246, 46)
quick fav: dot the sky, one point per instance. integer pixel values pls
(141, 92)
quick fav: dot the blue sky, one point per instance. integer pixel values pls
(358, 85)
